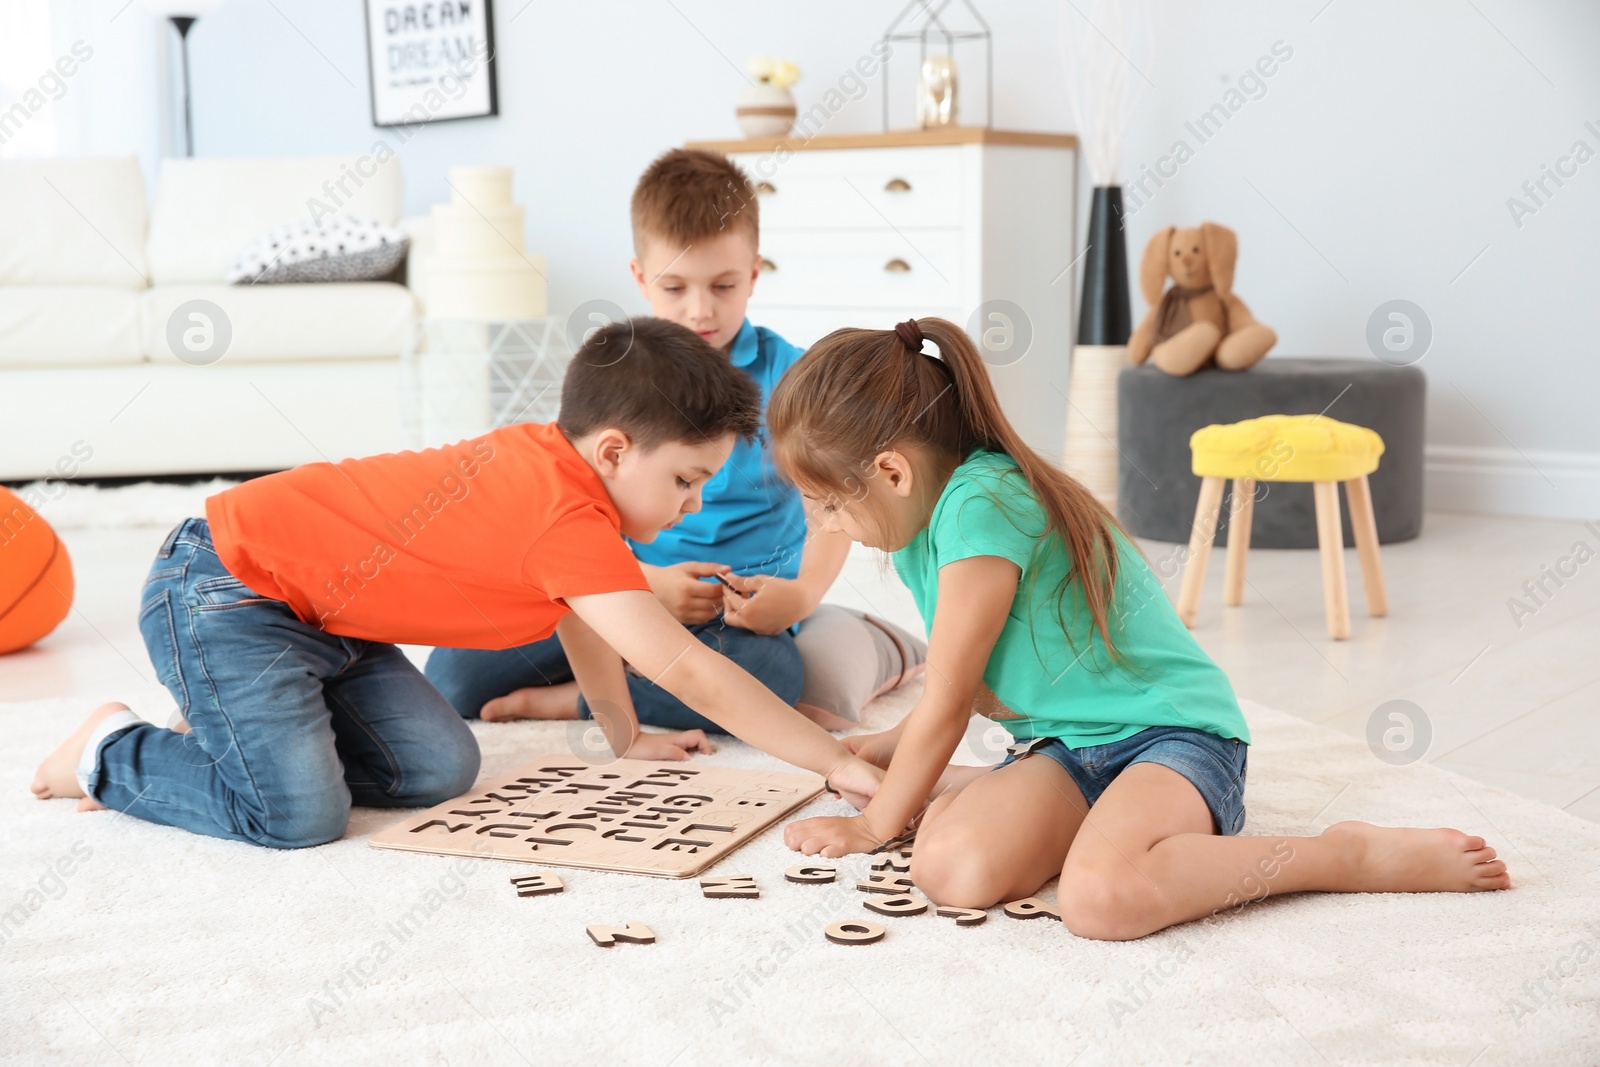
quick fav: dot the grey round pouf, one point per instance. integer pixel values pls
(1156, 414)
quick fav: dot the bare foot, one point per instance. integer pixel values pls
(57, 776)
(1392, 859)
(535, 702)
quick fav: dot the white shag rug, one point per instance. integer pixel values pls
(71, 506)
(164, 947)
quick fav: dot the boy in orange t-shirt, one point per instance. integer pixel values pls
(273, 620)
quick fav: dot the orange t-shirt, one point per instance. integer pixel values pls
(472, 545)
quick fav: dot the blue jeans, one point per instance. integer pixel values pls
(1214, 765)
(289, 725)
(469, 678)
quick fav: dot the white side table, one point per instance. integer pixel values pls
(463, 377)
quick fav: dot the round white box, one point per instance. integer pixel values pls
(460, 231)
(487, 287)
(480, 186)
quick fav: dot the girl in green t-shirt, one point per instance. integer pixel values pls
(1128, 771)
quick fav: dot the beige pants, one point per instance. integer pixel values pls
(850, 657)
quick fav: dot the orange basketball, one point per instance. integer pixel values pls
(35, 575)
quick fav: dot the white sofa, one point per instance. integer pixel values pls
(89, 386)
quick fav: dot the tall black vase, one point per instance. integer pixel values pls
(1105, 322)
(1105, 318)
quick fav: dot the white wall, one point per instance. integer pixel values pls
(1377, 163)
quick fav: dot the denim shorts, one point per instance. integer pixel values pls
(1213, 765)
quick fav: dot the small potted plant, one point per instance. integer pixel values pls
(766, 108)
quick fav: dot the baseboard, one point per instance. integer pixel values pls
(1504, 481)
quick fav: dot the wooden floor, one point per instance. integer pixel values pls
(1510, 701)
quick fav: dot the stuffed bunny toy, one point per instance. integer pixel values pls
(1198, 319)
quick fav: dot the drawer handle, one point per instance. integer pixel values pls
(767, 264)
(897, 266)
(765, 188)
(897, 185)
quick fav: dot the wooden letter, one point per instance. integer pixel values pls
(1031, 908)
(533, 885)
(742, 886)
(904, 904)
(855, 933)
(805, 873)
(885, 883)
(633, 934)
(963, 916)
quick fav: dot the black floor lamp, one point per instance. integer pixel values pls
(183, 14)
(183, 22)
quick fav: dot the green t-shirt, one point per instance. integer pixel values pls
(1051, 686)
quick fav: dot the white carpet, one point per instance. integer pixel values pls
(69, 506)
(164, 947)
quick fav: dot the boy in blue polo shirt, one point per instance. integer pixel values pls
(744, 574)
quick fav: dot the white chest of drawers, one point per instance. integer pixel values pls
(870, 229)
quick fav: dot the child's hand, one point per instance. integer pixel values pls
(672, 747)
(830, 836)
(681, 591)
(876, 749)
(771, 605)
(855, 780)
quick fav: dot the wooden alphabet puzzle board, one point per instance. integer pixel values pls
(670, 820)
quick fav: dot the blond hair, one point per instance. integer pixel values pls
(689, 195)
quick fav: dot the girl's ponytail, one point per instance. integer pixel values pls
(1073, 512)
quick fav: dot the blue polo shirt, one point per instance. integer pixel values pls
(750, 518)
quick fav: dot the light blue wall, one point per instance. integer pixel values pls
(1376, 165)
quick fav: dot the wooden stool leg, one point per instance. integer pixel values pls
(1242, 508)
(1205, 528)
(1330, 538)
(1365, 525)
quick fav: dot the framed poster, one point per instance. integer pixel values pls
(430, 60)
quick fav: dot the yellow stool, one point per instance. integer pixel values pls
(1287, 448)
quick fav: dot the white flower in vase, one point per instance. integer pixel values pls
(766, 107)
